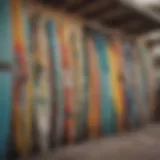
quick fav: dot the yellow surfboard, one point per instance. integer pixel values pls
(114, 54)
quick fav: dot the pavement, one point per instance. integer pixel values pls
(143, 144)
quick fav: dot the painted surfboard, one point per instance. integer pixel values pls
(137, 85)
(152, 82)
(21, 85)
(5, 111)
(73, 38)
(70, 39)
(150, 76)
(114, 118)
(67, 84)
(76, 36)
(129, 85)
(117, 84)
(149, 81)
(54, 45)
(6, 77)
(144, 85)
(83, 113)
(52, 86)
(106, 103)
(119, 46)
(94, 91)
(29, 82)
(136, 82)
(42, 96)
(45, 114)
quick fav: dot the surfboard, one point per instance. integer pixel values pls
(152, 82)
(76, 38)
(106, 103)
(42, 96)
(67, 84)
(6, 77)
(94, 91)
(137, 84)
(114, 116)
(22, 96)
(5, 111)
(52, 87)
(129, 82)
(144, 85)
(83, 113)
(148, 85)
(73, 38)
(54, 45)
(117, 81)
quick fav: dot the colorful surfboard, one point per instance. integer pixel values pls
(152, 82)
(69, 130)
(52, 86)
(129, 85)
(42, 96)
(106, 103)
(22, 95)
(94, 91)
(83, 113)
(117, 83)
(6, 77)
(137, 85)
(54, 45)
(74, 38)
(150, 78)
(76, 44)
(144, 85)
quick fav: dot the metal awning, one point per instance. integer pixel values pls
(115, 14)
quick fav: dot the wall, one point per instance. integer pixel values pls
(72, 82)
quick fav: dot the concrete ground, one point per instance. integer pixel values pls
(141, 145)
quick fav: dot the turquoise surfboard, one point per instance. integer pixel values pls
(5, 111)
(106, 103)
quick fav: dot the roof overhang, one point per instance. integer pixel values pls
(115, 14)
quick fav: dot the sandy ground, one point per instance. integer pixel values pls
(141, 145)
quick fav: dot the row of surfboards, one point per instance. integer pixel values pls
(61, 82)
